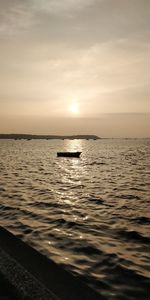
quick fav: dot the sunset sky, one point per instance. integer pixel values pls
(75, 67)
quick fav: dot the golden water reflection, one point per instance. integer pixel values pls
(71, 175)
(74, 145)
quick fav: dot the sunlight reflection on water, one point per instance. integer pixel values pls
(91, 213)
(74, 145)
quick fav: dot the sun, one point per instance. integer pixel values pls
(74, 108)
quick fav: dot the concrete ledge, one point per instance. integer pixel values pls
(21, 283)
(31, 275)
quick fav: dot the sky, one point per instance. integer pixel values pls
(75, 67)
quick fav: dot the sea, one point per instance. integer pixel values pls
(89, 214)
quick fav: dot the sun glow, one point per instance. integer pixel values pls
(73, 108)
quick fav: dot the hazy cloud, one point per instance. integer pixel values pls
(54, 51)
(59, 6)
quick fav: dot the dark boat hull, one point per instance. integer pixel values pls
(68, 154)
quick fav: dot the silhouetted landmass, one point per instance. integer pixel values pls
(47, 137)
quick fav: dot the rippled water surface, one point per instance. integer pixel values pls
(89, 214)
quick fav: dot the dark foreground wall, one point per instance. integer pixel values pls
(27, 274)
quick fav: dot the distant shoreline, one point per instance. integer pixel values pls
(25, 136)
(47, 137)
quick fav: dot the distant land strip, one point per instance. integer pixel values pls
(17, 136)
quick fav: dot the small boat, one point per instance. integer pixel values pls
(68, 154)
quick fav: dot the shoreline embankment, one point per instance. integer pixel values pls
(27, 274)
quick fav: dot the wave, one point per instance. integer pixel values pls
(142, 220)
(81, 212)
(133, 236)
